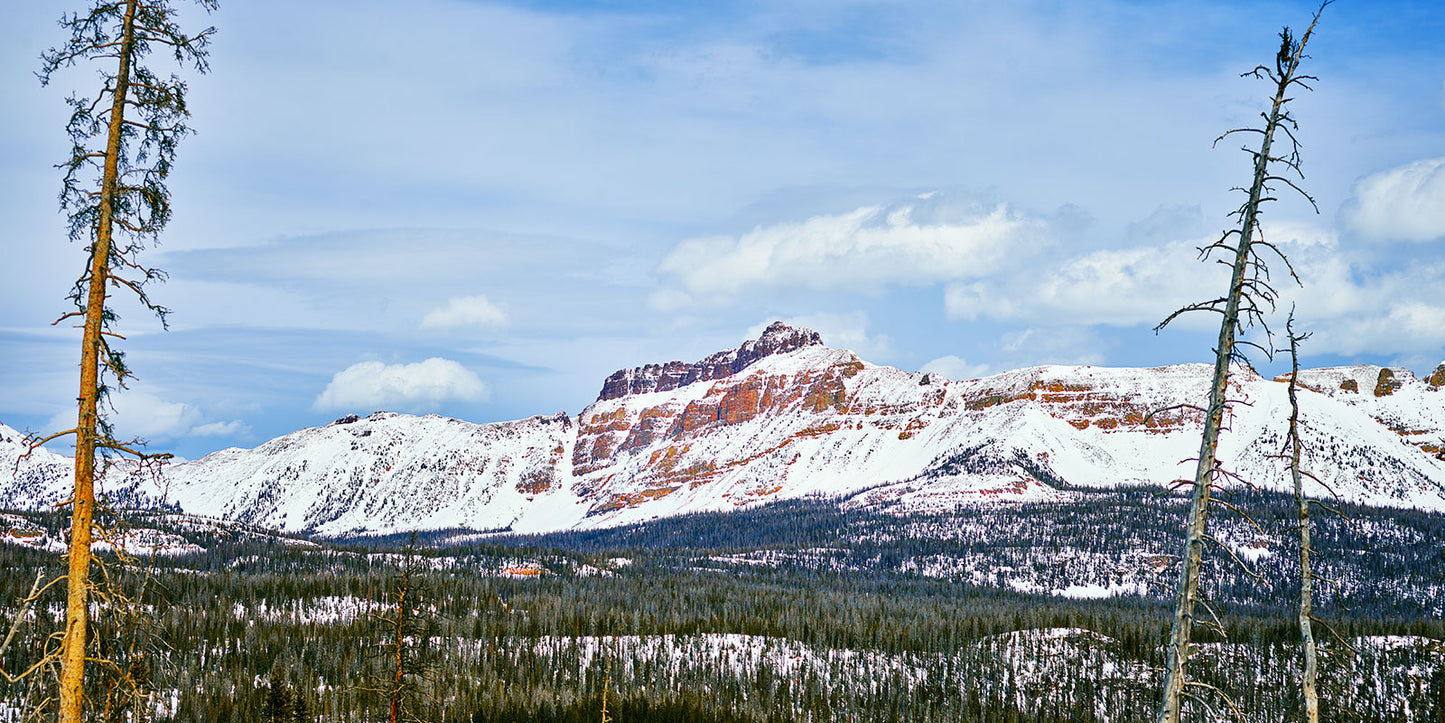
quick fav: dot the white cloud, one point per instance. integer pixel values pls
(1393, 328)
(1054, 345)
(1401, 204)
(1141, 285)
(668, 300)
(841, 331)
(953, 367)
(221, 429)
(1350, 304)
(466, 311)
(141, 414)
(1119, 287)
(372, 385)
(864, 249)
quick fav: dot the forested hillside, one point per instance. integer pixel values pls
(799, 611)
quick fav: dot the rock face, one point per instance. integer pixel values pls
(778, 338)
(1437, 378)
(1386, 384)
(784, 416)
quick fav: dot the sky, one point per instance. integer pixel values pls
(481, 209)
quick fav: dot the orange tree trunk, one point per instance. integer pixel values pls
(72, 662)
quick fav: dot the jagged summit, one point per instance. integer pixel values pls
(778, 338)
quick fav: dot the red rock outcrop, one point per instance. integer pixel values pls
(1437, 378)
(1386, 384)
(778, 338)
(1083, 406)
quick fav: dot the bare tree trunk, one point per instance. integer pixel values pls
(1244, 287)
(1183, 626)
(400, 644)
(1306, 590)
(72, 663)
(606, 684)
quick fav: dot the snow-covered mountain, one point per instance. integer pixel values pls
(31, 479)
(784, 416)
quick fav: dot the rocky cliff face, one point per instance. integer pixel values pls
(778, 338)
(785, 416)
(1437, 378)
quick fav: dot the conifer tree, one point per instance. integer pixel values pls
(278, 707)
(123, 146)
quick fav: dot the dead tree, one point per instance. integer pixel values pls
(606, 686)
(1306, 590)
(123, 145)
(403, 643)
(1249, 298)
(44, 669)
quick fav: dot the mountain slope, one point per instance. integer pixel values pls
(784, 416)
(31, 481)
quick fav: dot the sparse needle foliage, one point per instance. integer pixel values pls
(123, 145)
(403, 643)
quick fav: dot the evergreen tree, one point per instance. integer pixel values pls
(278, 707)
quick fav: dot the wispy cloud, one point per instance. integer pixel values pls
(464, 311)
(916, 242)
(1118, 287)
(141, 414)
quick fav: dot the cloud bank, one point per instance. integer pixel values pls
(918, 242)
(1401, 204)
(418, 387)
(1114, 287)
(147, 416)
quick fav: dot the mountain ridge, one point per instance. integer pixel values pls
(785, 416)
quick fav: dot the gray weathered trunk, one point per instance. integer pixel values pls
(1179, 649)
(1306, 590)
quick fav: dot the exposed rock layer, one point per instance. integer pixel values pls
(778, 338)
(784, 416)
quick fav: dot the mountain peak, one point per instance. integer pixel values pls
(778, 338)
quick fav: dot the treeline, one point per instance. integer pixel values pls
(847, 631)
(1375, 563)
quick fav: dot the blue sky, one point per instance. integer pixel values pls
(482, 209)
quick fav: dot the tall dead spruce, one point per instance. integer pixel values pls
(1308, 680)
(123, 145)
(1249, 299)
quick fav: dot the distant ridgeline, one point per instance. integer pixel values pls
(786, 417)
